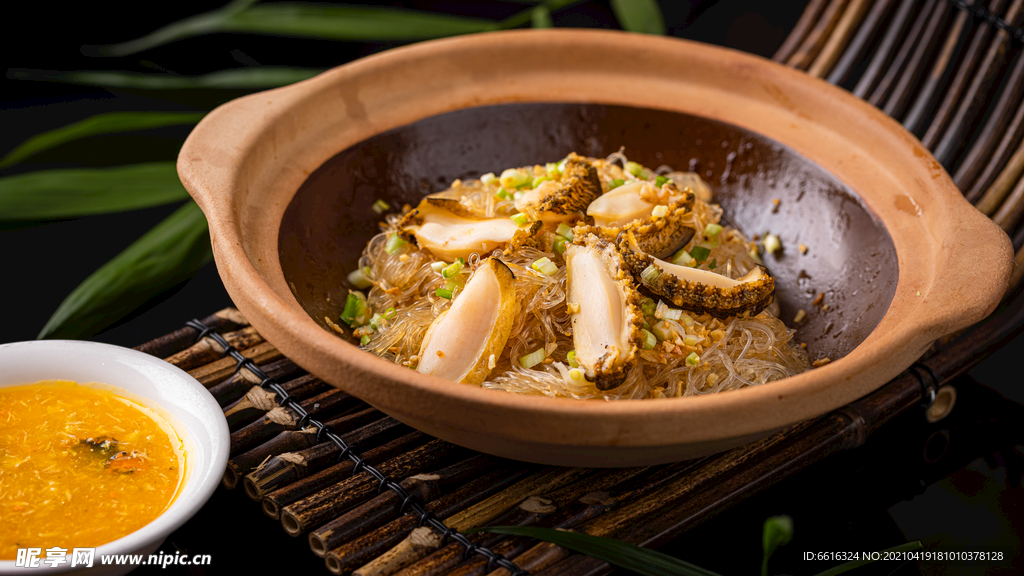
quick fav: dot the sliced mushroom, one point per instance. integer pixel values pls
(463, 343)
(605, 310)
(447, 229)
(560, 201)
(698, 290)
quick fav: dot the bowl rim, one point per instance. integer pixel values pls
(218, 165)
(200, 482)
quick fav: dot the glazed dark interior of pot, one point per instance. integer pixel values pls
(850, 257)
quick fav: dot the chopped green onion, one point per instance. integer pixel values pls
(660, 181)
(686, 320)
(460, 260)
(664, 312)
(756, 256)
(502, 194)
(561, 165)
(650, 274)
(380, 206)
(634, 168)
(552, 169)
(355, 313)
(488, 178)
(545, 266)
(615, 184)
(700, 253)
(690, 340)
(571, 358)
(660, 211)
(533, 358)
(712, 230)
(693, 359)
(437, 266)
(648, 305)
(564, 230)
(649, 340)
(377, 322)
(395, 244)
(443, 293)
(713, 264)
(513, 178)
(358, 279)
(558, 247)
(517, 196)
(683, 258)
(364, 340)
(390, 313)
(663, 331)
(536, 181)
(452, 284)
(453, 270)
(576, 374)
(520, 219)
(772, 244)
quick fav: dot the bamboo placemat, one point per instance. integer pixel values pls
(343, 503)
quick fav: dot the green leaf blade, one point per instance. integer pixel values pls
(639, 560)
(643, 16)
(95, 125)
(259, 78)
(777, 531)
(57, 194)
(541, 17)
(336, 22)
(167, 255)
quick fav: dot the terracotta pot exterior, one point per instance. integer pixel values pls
(940, 265)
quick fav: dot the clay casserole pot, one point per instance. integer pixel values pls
(287, 179)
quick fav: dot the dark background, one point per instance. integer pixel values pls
(954, 485)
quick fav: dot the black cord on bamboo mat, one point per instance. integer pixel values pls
(1017, 32)
(323, 431)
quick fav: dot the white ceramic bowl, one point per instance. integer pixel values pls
(194, 414)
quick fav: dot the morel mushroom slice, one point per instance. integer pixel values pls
(558, 201)
(605, 310)
(449, 232)
(464, 342)
(698, 290)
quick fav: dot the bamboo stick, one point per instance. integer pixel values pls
(422, 541)
(811, 45)
(275, 502)
(233, 388)
(313, 511)
(292, 440)
(366, 429)
(530, 511)
(354, 553)
(896, 30)
(424, 487)
(258, 401)
(860, 46)
(218, 371)
(207, 350)
(279, 419)
(838, 38)
(227, 320)
(803, 26)
(910, 63)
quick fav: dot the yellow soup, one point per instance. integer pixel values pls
(81, 466)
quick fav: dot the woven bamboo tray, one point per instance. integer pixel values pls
(952, 73)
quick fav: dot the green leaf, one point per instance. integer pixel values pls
(167, 255)
(239, 79)
(195, 26)
(915, 545)
(541, 17)
(639, 16)
(56, 194)
(621, 554)
(778, 531)
(99, 124)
